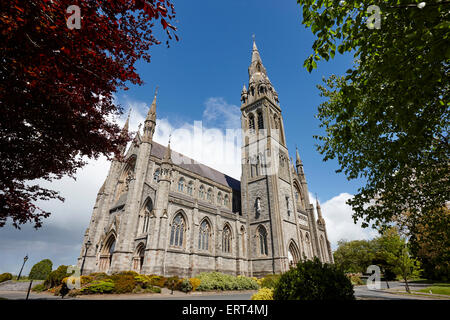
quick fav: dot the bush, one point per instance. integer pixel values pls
(263, 294)
(5, 277)
(41, 270)
(220, 281)
(99, 286)
(38, 288)
(356, 280)
(99, 276)
(186, 286)
(123, 283)
(312, 280)
(195, 282)
(269, 281)
(142, 281)
(159, 281)
(55, 277)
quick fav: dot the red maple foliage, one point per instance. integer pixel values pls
(56, 89)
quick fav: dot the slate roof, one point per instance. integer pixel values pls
(189, 164)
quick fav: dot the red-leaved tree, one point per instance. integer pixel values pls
(56, 89)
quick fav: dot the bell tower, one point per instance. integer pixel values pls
(266, 176)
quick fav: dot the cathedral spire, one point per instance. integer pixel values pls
(127, 123)
(168, 155)
(320, 219)
(151, 116)
(150, 120)
(298, 162)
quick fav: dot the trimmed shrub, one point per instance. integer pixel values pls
(123, 283)
(99, 286)
(159, 281)
(186, 286)
(99, 276)
(263, 294)
(142, 281)
(5, 277)
(153, 289)
(55, 277)
(41, 270)
(38, 288)
(195, 282)
(221, 281)
(269, 281)
(312, 280)
(128, 273)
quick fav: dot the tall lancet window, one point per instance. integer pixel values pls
(226, 239)
(251, 123)
(262, 241)
(203, 236)
(177, 231)
(260, 120)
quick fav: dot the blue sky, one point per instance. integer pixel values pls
(199, 77)
(211, 60)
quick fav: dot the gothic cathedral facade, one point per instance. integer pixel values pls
(160, 212)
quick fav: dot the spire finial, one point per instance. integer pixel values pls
(168, 155)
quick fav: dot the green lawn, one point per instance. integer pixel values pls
(438, 288)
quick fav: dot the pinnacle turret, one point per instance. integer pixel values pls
(150, 120)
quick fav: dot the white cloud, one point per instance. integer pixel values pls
(218, 110)
(339, 221)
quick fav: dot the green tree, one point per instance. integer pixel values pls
(386, 120)
(354, 256)
(393, 248)
(430, 243)
(41, 270)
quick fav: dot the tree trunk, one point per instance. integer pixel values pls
(406, 285)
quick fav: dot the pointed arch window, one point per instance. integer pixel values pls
(209, 195)
(308, 249)
(219, 198)
(190, 187)
(251, 123)
(260, 120)
(243, 240)
(177, 231)
(156, 175)
(181, 184)
(288, 206)
(226, 239)
(262, 233)
(226, 201)
(201, 192)
(147, 210)
(204, 235)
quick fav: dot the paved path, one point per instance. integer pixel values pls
(11, 285)
(361, 293)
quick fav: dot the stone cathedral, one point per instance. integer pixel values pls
(160, 212)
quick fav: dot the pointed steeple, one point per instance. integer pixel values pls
(259, 84)
(151, 115)
(124, 132)
(257, 66)
(150, 121)
(127, 123)
(168, 155)
(320, 219)
(298, 162)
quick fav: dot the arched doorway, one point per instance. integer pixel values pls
(138, 260)
(107, 253)
(293, 254)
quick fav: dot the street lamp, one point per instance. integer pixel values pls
(87, 245)
(24, 260)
